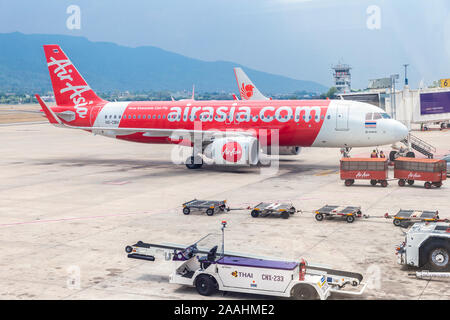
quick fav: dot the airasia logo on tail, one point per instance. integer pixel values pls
(232, 151)
(246, 91)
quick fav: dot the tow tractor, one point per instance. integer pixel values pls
(426, 245)
(206, 266)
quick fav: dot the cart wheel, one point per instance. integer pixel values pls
(292, 210)
(186, 210)
(410, 182)
(255, 213)
(427, 185)
(285, 215)
(209, 212)
(397, 222)
(205, 285)
(438, 184)
(128, 249)
(384, 183)
(401, 183)
(348, 183)
(350, 219)
(319, 216)
(304, 292)
(373, 182)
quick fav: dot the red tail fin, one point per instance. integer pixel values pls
(69, 87)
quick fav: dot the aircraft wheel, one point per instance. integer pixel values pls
(410, 154)
(392, 155)
(190, 163)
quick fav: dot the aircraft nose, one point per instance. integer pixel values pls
(400, 131)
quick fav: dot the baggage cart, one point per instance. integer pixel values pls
(409, 170)
(373, 169)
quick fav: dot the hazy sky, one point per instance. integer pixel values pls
(296, 38)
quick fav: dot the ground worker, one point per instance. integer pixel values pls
(382, 155)
(374, 154)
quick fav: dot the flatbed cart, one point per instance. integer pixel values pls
(432, 171)
(264, 209)
(209, 206)
(373, 169)
(206, 266)
(404, 218)
(349, 213)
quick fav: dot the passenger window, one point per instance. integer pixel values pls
(134, 116)
(385, 116)
(369, 116)
(328, 117)
(139, 117)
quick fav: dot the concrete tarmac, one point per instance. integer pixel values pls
(70, 202)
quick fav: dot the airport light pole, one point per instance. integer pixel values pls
(406, 74)
(394, 78)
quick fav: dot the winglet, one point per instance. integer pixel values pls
(52, 118)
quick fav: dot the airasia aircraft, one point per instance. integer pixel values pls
(227, 132)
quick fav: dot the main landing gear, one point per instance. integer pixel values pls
(194, 162)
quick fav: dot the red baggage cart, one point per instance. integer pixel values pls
(373, 169)
(409, 170)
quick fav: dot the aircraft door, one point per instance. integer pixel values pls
(342, 115)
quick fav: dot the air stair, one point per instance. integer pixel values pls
(419, 145)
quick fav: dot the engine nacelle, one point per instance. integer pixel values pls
(234, 151)
(284, 151)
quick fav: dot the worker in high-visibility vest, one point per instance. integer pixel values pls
(382, 155)
(374, 154)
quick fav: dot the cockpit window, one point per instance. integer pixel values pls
(377, 115)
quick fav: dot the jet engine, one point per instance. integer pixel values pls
(233, 151)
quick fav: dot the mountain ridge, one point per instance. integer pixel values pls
(109, 67)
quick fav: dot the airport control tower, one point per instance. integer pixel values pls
(342, 78)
